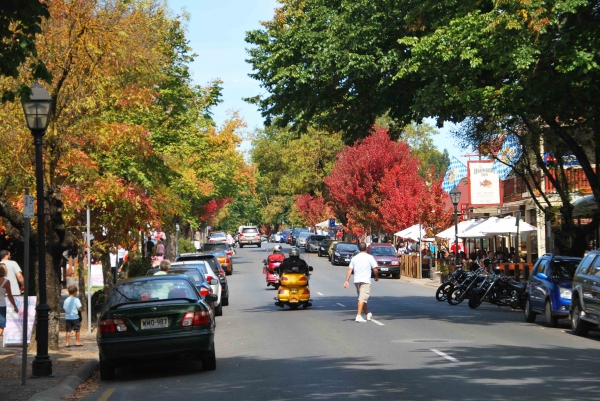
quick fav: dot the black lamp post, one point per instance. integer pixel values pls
(37, 113)
(455, 197)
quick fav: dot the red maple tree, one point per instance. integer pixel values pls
(377, 181)
(312, 209)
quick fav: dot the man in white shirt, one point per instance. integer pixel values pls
(14, 275)
(362, 264)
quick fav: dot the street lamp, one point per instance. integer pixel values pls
(455, 197)
(37, 113)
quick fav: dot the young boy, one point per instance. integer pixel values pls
(72, 306)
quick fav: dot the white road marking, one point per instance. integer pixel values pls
(341, 305)
(319, 293)
(448, 357)
(377, 322)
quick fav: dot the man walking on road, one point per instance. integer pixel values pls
(362, 265)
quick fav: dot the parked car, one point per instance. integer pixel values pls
(313, 242)
(330, 250)
(324, 246)
(224, 261)
(217, 238)
(295, 233)
(249, 235)
(155, 318)
(585, 302)
(549, 288)
(194, 272)
(343, 252)
(301, 239)
(285, 236)
(209, 273)
(215, 266)
(388, 263)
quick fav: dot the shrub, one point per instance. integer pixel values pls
(186, 246)
(138, 266)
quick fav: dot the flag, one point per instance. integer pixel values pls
(456, 172)
(509, 155)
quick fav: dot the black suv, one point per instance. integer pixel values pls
(585, 303)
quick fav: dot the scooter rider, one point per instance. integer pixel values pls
(276, 255)
(294, 261)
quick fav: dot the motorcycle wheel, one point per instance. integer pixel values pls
(456, 296)
(475, 300)
(442, 292)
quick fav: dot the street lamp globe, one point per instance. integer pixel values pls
(37, 109)
(455, 196)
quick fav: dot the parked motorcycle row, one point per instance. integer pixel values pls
(481, 285)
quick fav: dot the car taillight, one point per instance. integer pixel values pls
(302, 279)
(209, 278)
(210, 240)
(204, 291)
(112, 325)
(221, 271)
(197, 318)
(258, 235)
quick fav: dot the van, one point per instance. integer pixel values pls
(249, 235)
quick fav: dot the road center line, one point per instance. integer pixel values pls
(377, 322)
(106, 394)
(448, 357)
(319, 293)
(341, 305)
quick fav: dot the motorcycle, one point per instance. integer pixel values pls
(293, 291)
(457, 277)
(269, 269)
(462, 291)
(499, 290)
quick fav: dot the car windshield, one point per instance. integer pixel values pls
(151, 290)
(347, 247)
(215, 235)
(213, 247)
(318, 237)
(382, 251)
(303, 234)
(564, 269)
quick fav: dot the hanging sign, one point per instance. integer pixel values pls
(484, 184)
(13, 333)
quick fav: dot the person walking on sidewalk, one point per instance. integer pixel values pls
(5, 292)
(362, 264)
(13, 273)
(72, 306)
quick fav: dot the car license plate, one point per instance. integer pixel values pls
(155, 323)
(294, 290)
(384, 269)
(347, 260)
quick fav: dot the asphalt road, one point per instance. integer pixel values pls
(419, 349)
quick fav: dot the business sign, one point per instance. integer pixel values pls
(332, 223)
(484, 184)
(97, 277)
(13, 333)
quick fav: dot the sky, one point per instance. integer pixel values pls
(216, 31)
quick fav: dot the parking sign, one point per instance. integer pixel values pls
(28, 212)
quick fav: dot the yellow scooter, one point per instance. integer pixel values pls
(294, 274)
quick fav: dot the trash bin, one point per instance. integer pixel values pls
(425, 271)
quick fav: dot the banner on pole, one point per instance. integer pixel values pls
(484, 184)
(97, 278)
(13, 333)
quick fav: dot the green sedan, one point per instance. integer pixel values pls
(154, 318)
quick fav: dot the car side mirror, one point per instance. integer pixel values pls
(542, 276)
(214, 281)
(211, 298)
(310, 268)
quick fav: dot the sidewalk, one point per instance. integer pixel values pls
(65, 361)
(421, 281)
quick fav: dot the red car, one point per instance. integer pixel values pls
(387, 260)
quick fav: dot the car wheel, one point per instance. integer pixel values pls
(529, 314)
(551, 321)
(578, 326)
(107, 370)
(219, 310)
(259, 245)
(209, 362)
(225, 301)
(241, 246)
(396, 275)
(319, 253)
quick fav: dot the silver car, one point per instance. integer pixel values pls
(301, 241)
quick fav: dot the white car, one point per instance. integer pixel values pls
(210, 275)
(217, 238)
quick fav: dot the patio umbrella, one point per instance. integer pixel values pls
(412, 232)
(508, 225)
(462, 227)
(479, 229)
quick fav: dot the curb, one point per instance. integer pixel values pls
(67, 387)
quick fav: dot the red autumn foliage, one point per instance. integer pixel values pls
(377, 182)
(312, 209)
(211, 209)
